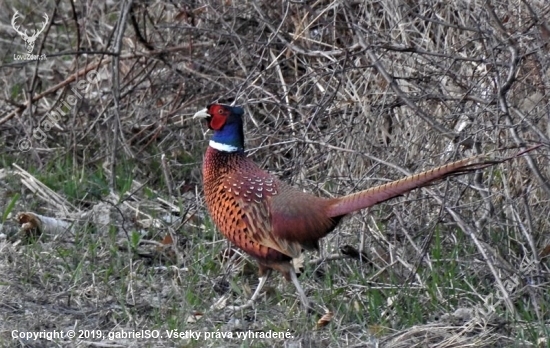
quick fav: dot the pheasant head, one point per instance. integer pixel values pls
(227, 123)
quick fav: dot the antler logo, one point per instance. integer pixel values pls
(29, 40)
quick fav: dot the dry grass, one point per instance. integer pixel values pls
(340, 96)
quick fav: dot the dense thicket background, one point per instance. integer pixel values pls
(340, 96)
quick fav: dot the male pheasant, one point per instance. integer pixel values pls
(272, 221)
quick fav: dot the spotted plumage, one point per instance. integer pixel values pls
(259, 213)
(272, 221)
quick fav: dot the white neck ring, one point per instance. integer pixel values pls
(223, 147)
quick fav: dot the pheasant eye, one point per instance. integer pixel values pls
(220, 111)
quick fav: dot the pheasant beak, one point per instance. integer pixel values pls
(202, 114)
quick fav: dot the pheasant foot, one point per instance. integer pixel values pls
(255, 296)
(263, 279)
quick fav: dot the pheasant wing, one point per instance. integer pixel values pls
(253, 195)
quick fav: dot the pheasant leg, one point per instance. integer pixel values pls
(301, 292)
(256, 294)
